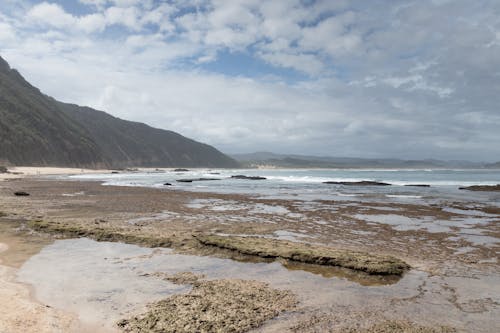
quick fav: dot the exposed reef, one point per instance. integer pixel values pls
(248, 177)
(230, 305)
(253, 246)
(307, 253)
(485, 188)
(190, 180)
(361, 183)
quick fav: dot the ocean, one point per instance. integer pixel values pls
(308, 184)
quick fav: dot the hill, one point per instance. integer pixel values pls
(36, 129)
(305, 161)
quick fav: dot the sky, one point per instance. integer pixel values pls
(380, 78)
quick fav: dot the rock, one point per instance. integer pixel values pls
(213, 306)
(308, 253)
(167, 184)
(196, 180)
(180, 170)
(483, 188)
(21, 194)
(248, 177)
(418, 185)
(3, 169)
(361, 183)
(115, 172)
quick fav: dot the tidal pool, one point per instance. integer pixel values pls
(103, 282)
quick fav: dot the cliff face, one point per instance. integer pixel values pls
(35, 129)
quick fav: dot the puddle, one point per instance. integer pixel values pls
(477, 239)
(98, 281)
(103, 282)
(76, 194)
(268, 209)
(290, 236)
(466, 225)
(219, 205)
(215, 204)
(403, 223)
(18, 244)
(468, 212)
(337, 272)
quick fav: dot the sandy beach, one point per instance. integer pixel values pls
(452, 284)
(21, 172)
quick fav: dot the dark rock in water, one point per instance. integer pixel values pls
(115, 172)
(21, 194)
(3, 169)
(196, 180)
(418, 185)
(180, 170)
(167, 184)
(248, 177)
(483, 188)
(215, 173)
(361, 183)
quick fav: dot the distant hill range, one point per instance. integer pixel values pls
(37, 130)
(302, 161)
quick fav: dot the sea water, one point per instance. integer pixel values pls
(308, 184)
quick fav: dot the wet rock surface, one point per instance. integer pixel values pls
(484, 188)
(327, 324)
(213, 306)
(307, 253)
(418, 185)
(190, 180)
(452, 245)
(248, 177)
(361, 183)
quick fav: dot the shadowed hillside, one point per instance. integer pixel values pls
(35, 129)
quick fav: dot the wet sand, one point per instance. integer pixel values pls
(452, 247)
(20, 311)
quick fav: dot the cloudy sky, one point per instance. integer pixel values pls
(378, 78)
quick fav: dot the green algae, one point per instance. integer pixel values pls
(101, 234)
(308, 253)
(252, 246)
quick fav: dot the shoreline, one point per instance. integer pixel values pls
(19, 172)
(162, 212)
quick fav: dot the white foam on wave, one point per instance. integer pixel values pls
(404, 196)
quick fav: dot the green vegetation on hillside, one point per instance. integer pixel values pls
(35, 129)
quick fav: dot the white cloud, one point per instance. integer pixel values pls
(306, 63)
(127, 16)
(7, 33)
(386, 79)
(50, 14)
(91, 23)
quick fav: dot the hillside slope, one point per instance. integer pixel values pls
(35, 129)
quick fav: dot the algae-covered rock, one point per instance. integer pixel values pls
(213, 306)
(101, 234)
(393, 326)
(307, 253)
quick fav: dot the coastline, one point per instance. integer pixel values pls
(22, 172)
(149, 211)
